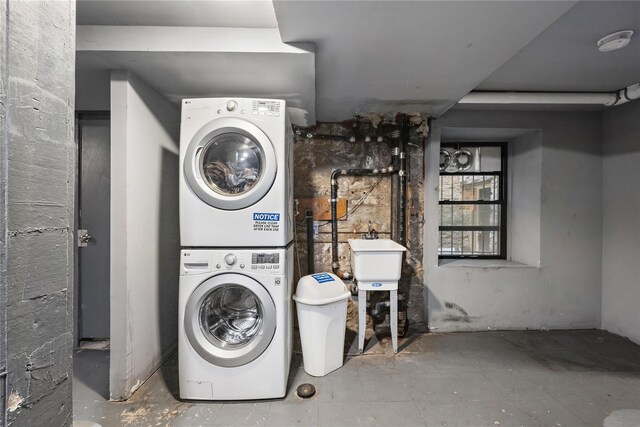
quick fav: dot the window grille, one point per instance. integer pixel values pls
(472, 200)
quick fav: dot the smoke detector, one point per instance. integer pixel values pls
(614, 41)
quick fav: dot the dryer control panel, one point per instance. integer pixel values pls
(265, 108)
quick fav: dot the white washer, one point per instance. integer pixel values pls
(236, 186)
(235, 323)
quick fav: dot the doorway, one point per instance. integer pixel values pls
(93, 230)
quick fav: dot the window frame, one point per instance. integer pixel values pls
(502, 201)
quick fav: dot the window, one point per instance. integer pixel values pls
(472, 200)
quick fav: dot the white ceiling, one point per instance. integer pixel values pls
(408, 56)
(565, 56)
(383, 56)
(189, 62)
(187, 13)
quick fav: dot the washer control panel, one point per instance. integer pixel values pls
(265, 261)
(260, 261)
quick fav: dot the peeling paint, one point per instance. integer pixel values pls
(298, 116)
(135, 386)
(14, 401)
(374, 118)
(329, 148)
(132, 416)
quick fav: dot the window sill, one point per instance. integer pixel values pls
(481, 263)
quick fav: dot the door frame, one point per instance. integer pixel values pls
(79, 116)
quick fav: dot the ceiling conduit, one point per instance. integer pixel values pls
(608, 99)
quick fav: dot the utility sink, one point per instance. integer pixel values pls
(377, 262)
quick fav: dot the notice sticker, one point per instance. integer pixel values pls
(323, 277)
(266, 221)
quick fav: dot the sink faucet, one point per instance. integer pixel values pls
(371, 234)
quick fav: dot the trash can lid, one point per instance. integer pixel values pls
(320, 289)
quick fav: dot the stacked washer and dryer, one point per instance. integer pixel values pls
(236, 230)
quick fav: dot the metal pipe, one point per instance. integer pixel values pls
(395, 194)
(335, 263)
(537, 98)
(402, 207)
(618, 97)
(308, 216)
(402, 172)
(379, 310)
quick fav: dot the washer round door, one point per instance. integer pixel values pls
(230, 164)
(230, 319)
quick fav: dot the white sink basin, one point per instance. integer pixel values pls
(376, 261)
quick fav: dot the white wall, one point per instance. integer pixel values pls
(621, 224)
(563, 289)
(524, 190)
(144, 224)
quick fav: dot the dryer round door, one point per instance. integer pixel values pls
(230, 319)
(230, 164)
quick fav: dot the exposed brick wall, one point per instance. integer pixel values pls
(38, 97)
(315, 158)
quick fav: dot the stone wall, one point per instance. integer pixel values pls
(38, 166)
(329, 148)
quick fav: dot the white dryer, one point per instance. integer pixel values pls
(236, 186)
(235, 323)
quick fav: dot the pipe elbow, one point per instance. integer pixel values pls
(344, 275)
(625, 95)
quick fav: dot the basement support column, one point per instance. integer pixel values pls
(37, 165)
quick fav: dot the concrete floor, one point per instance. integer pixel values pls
(555, 378)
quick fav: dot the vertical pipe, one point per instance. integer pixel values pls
(308, 216)
(334, 221)
(395, 194)
(402, 172)
(402, 207)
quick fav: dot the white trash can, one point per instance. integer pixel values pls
(321, 303)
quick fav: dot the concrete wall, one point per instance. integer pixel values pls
(145, 251)
(3, 211)
(563, 289)
(621, 225)
(38, 176)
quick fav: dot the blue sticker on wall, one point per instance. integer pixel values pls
(323, 277)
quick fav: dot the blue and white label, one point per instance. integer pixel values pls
(376, 285)
(266, 221)
(265, 216)
(323, 277)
